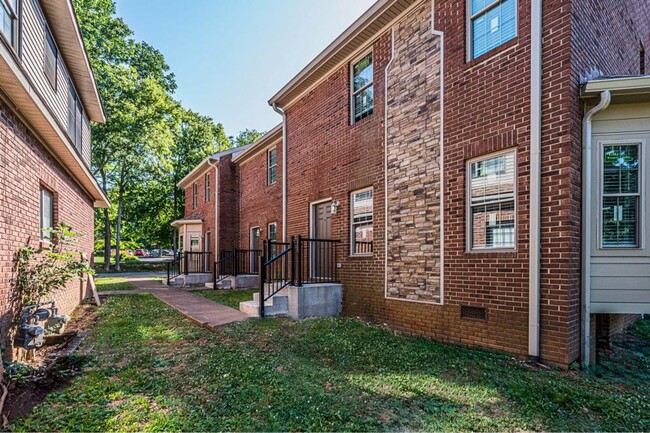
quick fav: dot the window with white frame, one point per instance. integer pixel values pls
(75, 119)
(207, 187)
(273, 232)
(51, 58)
(272, 164)
(195, 195)
(361, 239)
(491, 23)
(491, 184)
(362, 90)
(9, 21)
(46, 214)
(621, 195)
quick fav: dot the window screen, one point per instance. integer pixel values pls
(492, 23)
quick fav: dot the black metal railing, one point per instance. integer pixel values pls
(273, 248)
(223, 268)
(196, 262)
(173, 269)
(276, 273)
(246, 262)
(316, 261)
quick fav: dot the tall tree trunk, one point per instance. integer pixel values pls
(107, 229)
(118, 231)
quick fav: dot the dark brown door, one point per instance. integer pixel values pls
(321, 252)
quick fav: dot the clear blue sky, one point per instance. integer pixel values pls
(231, 56)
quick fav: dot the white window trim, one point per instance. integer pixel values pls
(468, 204)
(16, 22)
(195, 195)
(207, 186)
(351, 83)
(269, 166)
(468, 26)
(268, 233)
(351, 198)
(641, 233)
(42, 190)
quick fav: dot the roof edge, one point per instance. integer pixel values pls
(268, 138)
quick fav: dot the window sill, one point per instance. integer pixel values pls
(493, 52)
(500, 253)
(361, 256)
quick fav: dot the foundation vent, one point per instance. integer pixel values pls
(473, 313)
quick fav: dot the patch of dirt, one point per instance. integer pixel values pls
(50, 371)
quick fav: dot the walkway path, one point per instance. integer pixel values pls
(203, 311)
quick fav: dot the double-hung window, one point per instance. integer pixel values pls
(362, 217)
(207, 187)
(51, 58)
(46, 214)
(195, 195)
(9, 21)
(362, 90)
(75, 119)
(272, 163)
(491, 23)
(621, 195)
(273, 232)
(491, 223)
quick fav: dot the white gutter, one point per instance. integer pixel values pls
(281, 112)
(605, 99)
(216, 208)
(535, 220)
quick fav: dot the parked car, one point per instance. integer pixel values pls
(154, 253)
(140, 252)
(168, 253)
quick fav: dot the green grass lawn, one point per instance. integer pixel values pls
(231, 298)
(152, 370)
(113, 283)
(129, 267)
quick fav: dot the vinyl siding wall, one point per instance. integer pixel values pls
(32, 54)
(620, 278)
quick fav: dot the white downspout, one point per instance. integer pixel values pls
(281, 112)
(535, 220)
(605, 99)
(216, 209)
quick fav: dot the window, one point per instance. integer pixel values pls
(491, 23)
(47, 214)
(75, 119)
(641, 59)
(273, 232)
(207, 187)
(51, 56)
(272, 166)
(621, 195)
(361, 233)
(492, 202)
(9, 21)
(362, 89)
(195, 195)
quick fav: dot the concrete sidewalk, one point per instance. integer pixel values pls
(201, 310)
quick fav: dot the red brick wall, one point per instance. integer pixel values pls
(260, 203)
(205, 209)
(26, 166)
(228, 203)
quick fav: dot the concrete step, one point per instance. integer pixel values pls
(252, 309)
(221, 285)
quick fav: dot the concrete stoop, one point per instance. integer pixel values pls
(191, 279)
(313, 300)
(240, 282)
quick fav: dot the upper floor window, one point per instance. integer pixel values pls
(195, 195)
(207, 187)
(362, 217)
(492, 202)
(490, 24)
(362, 88)
(46, 214)
(621, 195)
(75, 119)
(51, 58)
(272, 166)
(9, 21)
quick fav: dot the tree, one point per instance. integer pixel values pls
(245, 137)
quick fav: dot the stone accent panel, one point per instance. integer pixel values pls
(413, 161)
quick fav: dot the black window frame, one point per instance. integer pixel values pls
(14, 15)
(51, 44)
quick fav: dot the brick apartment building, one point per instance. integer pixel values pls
(483, 165)
(47, 97)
